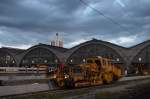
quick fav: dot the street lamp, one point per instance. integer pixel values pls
(6, 63)
(32, 61)
(84, 60)
(118, 59)
(23, 61)
(71, 60)
(140, 59)
(45, 61)
(56, 61)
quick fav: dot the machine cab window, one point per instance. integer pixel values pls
(89, 61)
(98, 62)
(77, 71)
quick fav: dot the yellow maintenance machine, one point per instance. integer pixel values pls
(95, 71)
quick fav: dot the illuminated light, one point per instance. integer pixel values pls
(56, 60)
(99, 56)
(84, 60)
(66, 76)
(23, 61)
(54, 76)
(140, 59)
(45, 61)
(32, 61)
(118, 59)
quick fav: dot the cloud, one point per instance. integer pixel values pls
(28, 22)
(120, 3)
(74, 43)
(18, 46)
(129, 41)
(126, 41)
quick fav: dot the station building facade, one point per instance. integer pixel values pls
(43, 54)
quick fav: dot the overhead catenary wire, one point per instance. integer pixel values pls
(101, 13)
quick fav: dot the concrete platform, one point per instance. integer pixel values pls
(20, 89)
(134, 77)
(36, 87)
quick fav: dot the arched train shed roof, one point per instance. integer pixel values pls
(63, 54)
(55, 50)
(116, 48)
(135, 50)
(12, 52)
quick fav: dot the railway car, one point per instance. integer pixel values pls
(21, 70)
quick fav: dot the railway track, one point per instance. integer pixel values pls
(71, 92)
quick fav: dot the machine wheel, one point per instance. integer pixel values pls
(61, 83)
(69, 83)
(115, 78)
(105, 82)
(1, 83)
(104, 79)
(107, 78)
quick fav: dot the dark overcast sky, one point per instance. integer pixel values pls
(24, 23)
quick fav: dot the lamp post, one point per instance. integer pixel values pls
(56, 61)
(140, 68)
(45, 61)
(32, 61)
(83, 60)
(71, 60)
(6, 63)
(118, 59)
(140, 59)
